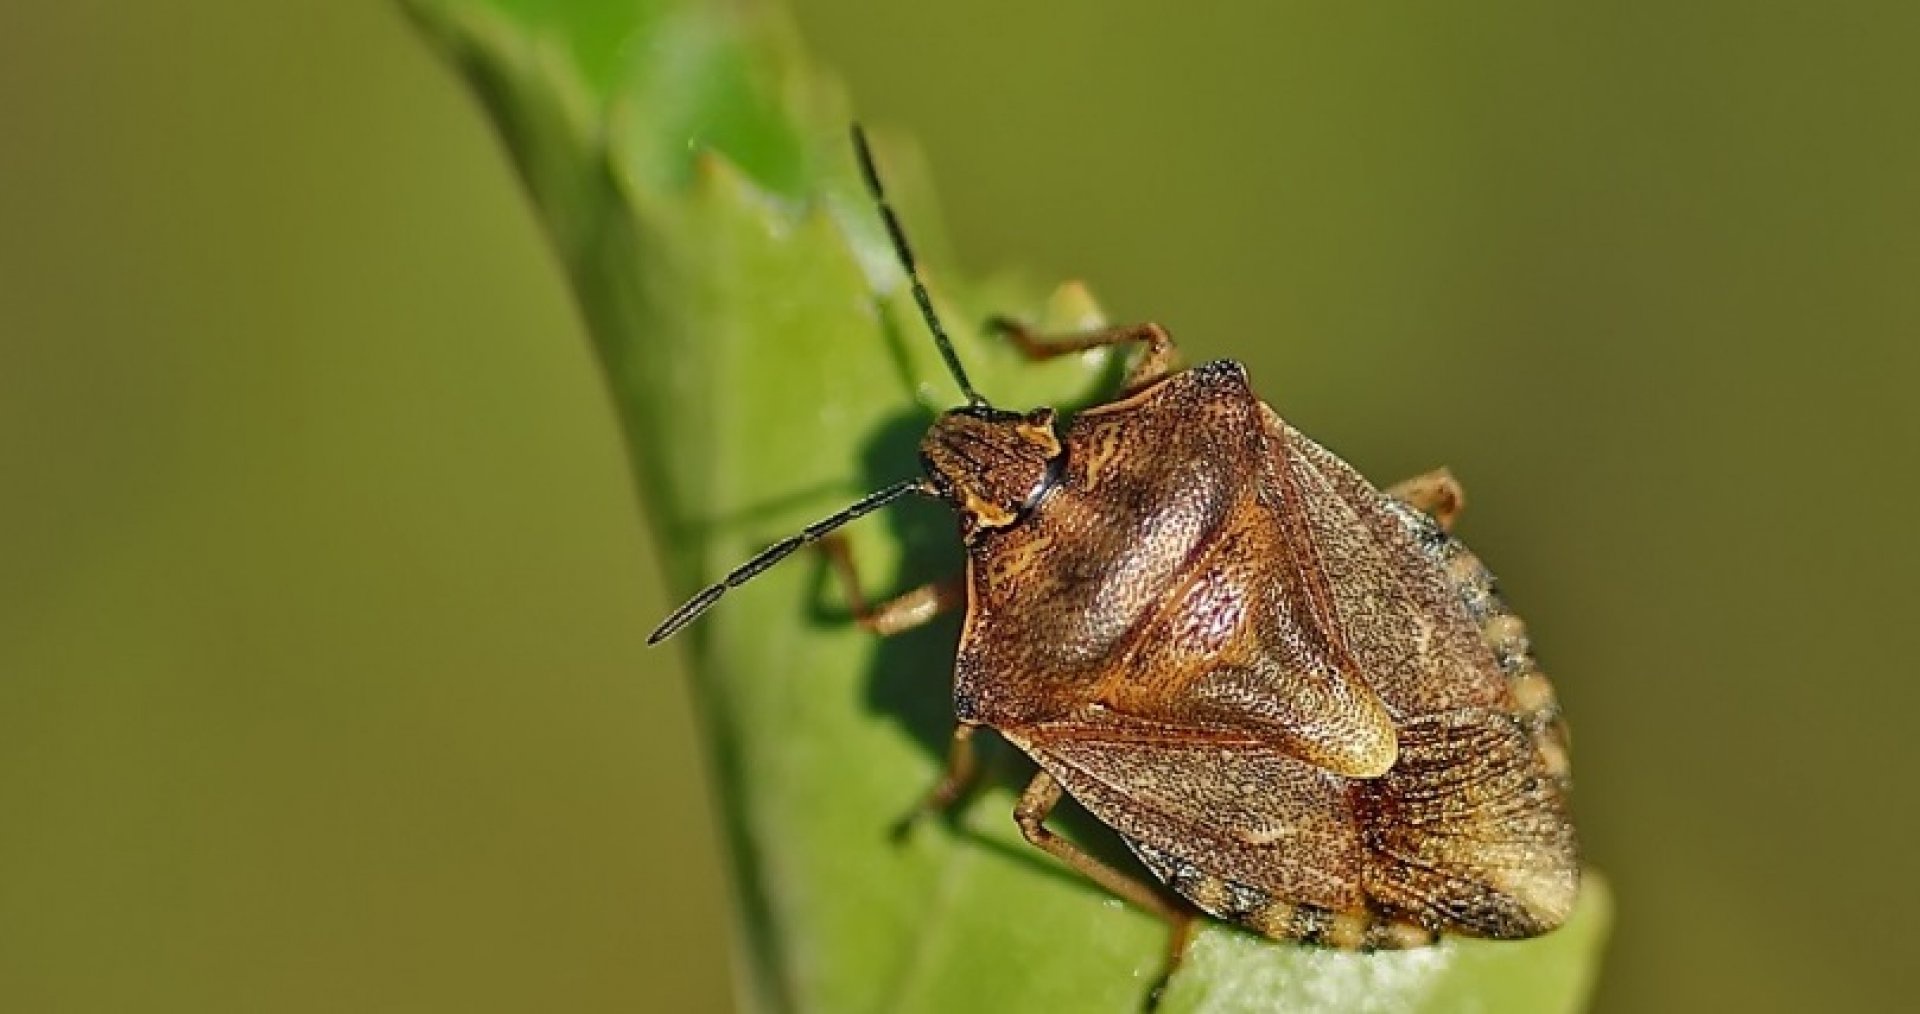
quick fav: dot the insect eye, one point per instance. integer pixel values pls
(1056, 468)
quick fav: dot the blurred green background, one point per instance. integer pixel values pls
(323, 590)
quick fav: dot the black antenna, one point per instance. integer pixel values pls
(779, 551)
(905, 252)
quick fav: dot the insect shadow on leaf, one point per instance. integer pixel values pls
(910, 678)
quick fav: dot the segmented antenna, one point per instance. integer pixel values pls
(912, 267)
(773, 554)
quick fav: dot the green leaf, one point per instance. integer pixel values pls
(768, 366)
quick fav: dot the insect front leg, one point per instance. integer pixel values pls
(1154, 364)
(1436, 494)
(902, 612)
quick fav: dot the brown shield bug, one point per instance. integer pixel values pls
(1302, 703)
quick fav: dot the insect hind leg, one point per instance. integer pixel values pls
(1436, 494)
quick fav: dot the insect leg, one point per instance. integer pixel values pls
(1154, 364)
(962, 767)
(1436, 494)
(902, 612)
(1039, 799)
